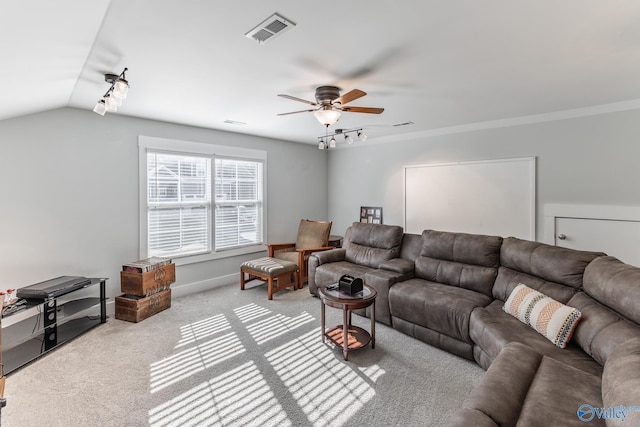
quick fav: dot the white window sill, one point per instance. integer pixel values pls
(192, 259)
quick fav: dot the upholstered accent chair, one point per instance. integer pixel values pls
(313, 236)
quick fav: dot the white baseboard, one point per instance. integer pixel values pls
(204, 285)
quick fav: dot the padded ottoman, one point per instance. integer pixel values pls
(278, 274)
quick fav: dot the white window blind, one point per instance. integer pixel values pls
(200, 201)
(178, 204)
(238, 203)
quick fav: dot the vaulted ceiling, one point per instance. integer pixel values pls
(437, 64)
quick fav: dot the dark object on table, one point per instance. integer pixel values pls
(53, 288)
(350, 285)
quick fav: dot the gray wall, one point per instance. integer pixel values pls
(70, 196)
(592, 160)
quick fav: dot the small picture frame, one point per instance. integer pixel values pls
(371, 214)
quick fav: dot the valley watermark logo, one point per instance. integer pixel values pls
(588, 412)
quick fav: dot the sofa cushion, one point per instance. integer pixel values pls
(458, 259)
(474, 249)
(411, 246)
(556, 272)
(555, 321)
(601, 329)
(614, 284)
(443, 308)
(621, 381)
(398, 265)
(526, 388)
(372, 244)
(492, 329)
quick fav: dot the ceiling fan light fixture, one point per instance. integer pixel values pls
(327, 116)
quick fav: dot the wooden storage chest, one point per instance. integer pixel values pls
(135, 308)
(145, 284)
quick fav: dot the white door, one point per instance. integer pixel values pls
(620, 239)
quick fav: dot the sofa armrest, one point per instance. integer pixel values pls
(331, 255)
(621, 380)
(398, 265)
(382, 280)
(316, 259)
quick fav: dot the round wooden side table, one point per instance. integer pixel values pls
(347, 336)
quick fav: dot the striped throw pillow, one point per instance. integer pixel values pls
(550, 318)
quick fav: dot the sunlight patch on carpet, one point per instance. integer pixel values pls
(201, 329)
(240, 397)
(250, 312)
(188, 362)
(327, 390)
(373, 372)
(275, 326)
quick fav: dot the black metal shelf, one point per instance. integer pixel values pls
(45, 325)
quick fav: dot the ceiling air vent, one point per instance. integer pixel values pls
(268, 29)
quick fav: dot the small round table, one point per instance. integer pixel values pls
(347, 336)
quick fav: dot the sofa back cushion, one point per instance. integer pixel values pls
(556, 272)
(411, 246)
(372, 244)
(610, 306)
(468, 261)
(614, 284)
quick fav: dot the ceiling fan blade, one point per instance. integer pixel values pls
(368, 110)
(295, 112)
(297, 99)
(350, 96)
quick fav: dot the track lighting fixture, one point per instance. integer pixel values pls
(325, 143)
(112, 99)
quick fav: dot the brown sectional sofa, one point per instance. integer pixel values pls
(448, 290)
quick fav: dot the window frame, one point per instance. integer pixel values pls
(179, 147)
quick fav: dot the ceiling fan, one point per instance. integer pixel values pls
(329, 104)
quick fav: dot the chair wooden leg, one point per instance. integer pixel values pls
(270, 288)
(241, 280)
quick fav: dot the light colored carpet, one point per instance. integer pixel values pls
(227, 357)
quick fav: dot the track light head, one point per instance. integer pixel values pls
(100, 107)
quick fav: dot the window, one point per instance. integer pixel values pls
(200, 201)
(238, 191)
(178, 204)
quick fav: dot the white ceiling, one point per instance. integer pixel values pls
(436, 63)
